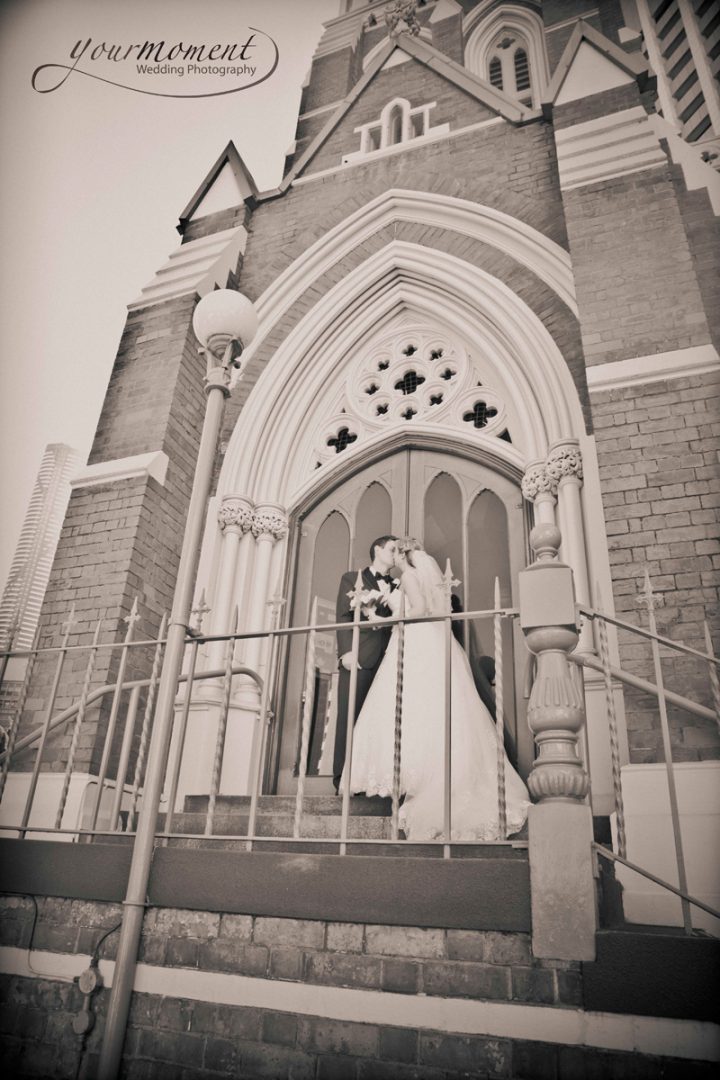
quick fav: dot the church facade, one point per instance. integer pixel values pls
(487, 299)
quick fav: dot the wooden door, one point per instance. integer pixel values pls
(458, 509)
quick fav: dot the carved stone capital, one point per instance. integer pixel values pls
(269, 521)
(236, 512)
(536, 481)
(564, 460)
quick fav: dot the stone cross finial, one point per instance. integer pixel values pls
(400, 17)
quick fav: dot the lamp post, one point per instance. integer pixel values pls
(224, 322)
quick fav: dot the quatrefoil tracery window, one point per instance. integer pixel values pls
(412, 376)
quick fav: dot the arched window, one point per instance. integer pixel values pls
(522, 71)
(509, 65)
(399, 122)
(505, 45)
(395, 126)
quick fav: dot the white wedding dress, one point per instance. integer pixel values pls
(474, 784)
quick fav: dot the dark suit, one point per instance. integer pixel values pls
(372, 645)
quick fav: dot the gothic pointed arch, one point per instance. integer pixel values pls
(403, 288)
(505, 45)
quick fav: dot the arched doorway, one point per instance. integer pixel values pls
(459, 508)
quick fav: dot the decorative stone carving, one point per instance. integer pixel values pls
(269, 521)
(556, 710)
(236, 512)
(407, 376)
(536, 481)
(564, 460)
(400, 16)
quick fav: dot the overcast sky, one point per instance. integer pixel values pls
(92, 181)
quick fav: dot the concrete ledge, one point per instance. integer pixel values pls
(638, 370)
(54, 868)
(152, 464)
(466, 894)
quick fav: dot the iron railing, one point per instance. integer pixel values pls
(601, 620)
(122, 748)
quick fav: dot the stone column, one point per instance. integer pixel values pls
(269, 523)
(539, 489)
(560, 825)
(235, 519)
(564, 469)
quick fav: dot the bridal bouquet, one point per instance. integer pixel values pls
(368, 600)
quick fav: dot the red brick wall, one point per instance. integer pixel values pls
(121, 540)
(413, 81)
(486, 965)
(637, 287)
(657, 451)
(173, 1036)
(702, 229)
(556, 40)
(447, 37)
(331, 79)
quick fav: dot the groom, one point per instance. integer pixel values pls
(373, 643)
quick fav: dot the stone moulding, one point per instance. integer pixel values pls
(152, 465)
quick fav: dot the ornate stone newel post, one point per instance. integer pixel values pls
(560, 824)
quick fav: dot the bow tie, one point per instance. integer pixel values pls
(383, 577)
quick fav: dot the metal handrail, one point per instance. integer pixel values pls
(131, 684)
(201, 639)
(657, 689)
(589, 661)
(612, 856)
(246, 635)
(679, 646)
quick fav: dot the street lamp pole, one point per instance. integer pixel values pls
(224, 322)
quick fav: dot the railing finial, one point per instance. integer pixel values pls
(131, 619)
(200, 611)
(647, 597)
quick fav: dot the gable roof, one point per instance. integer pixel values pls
(438, 62)
(628, 63)
(246, 186)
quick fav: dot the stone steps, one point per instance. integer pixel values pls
(312, 826)
(360, 805)
(369, 819)
(515, 852)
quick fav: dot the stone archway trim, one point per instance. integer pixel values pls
(550, 262)
(401, 274)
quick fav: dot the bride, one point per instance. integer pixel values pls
(474, 804)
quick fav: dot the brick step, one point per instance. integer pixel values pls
(360, 805)
(401, 849)
(312, 826)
